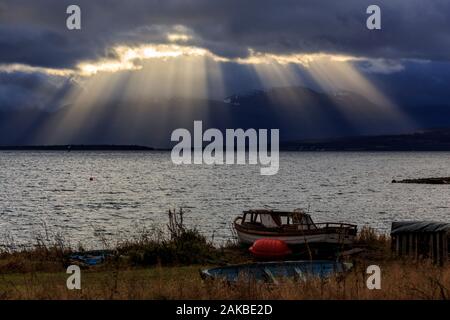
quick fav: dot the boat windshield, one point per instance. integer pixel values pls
(304, 219)
(268, 221)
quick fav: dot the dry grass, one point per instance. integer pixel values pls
(38, 259)
(158, 267)
(400, 280)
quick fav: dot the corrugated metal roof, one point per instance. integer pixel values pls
(419, 226)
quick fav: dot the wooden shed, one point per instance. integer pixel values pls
(421, 240)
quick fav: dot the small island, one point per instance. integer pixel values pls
(443, 180)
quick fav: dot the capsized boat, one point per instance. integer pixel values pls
(90, 258)
(294, 228)
(272, 272)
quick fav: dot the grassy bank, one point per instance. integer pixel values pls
(165, 265)
(400, 280)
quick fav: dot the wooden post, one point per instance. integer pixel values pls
(404, 243)
(445, 246)
(397, 245)
(417, 246)
(410, 246)
(438, 248)
(431, 248)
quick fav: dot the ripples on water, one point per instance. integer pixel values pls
(132, 190)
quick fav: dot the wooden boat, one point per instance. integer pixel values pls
(271, 272)
(294, 228)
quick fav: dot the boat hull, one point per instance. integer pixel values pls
(248, 238)
(271, 272)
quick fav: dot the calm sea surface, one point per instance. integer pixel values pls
(44, 193)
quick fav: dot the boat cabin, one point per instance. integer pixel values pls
(278, 219)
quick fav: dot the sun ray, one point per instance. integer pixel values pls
(150, 76)
(341, 76)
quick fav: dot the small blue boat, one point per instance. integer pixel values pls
(90, 258)
(271, 272)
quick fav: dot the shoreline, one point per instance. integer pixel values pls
(154, 149)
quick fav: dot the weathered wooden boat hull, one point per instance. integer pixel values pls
(249, 238)
(273, 271)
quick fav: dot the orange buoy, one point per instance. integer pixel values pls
(270, 248)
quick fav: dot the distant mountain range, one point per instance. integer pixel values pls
(70, 148)
(303, 115)
(429, 140)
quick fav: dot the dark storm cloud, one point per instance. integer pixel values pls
(36, 47)
(33, 32)
(24, 90)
